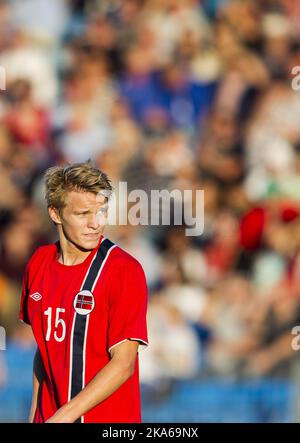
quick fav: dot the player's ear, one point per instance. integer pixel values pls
(54, 215)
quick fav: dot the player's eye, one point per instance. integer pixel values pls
(103, 209)
(101, 213)
(81, 213)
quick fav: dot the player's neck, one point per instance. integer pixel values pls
(69, 254)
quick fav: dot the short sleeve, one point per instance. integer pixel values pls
(128, 306)
(24, 298)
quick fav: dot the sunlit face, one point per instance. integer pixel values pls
(83, 218)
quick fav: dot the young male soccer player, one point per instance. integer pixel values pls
(85, 299)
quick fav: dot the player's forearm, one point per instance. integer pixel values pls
(105, 383)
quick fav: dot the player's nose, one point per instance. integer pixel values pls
(93, 221)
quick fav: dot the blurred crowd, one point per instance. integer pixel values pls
(166, 94)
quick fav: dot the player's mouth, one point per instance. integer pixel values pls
(92, 236)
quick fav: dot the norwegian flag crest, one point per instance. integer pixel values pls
(84, 302)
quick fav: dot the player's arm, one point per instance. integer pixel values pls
(106, 382)
(38, 375)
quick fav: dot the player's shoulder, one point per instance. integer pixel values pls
(40, 254)
(123, 259)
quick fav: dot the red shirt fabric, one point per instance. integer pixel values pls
(77, 314)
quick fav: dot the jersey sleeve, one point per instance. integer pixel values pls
(128, 306)
(24, 298)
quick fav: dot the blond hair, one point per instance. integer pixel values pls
(84, 177)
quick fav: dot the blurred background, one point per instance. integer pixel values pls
(167, 94)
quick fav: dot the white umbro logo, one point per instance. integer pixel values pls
(36, 296)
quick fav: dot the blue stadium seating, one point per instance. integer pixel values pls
(192, 401)
(223, 401)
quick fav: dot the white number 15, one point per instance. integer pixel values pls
(58, 321)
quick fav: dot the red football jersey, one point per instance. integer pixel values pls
(77, 314)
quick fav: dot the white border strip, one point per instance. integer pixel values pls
(84, 356)
(72, 331)
(88, 316)
(101, 267)
(130, 338)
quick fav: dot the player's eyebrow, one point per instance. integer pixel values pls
(88, 211)
(103, 206)
(82, 211)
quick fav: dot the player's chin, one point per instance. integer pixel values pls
(90, 241)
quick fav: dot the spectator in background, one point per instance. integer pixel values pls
(167, 95)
